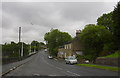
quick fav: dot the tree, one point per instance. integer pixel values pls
(93, 38)
(56, 38)
(106, 20)
(41, 43)
(35, 45)
(13, 49)
(116, 27)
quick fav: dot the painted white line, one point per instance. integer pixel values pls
(55, 59)
(11, 69)
(51, 75)
(47, 62)
(73, 73)
(14, 67)
(59, 68)
(36, 74)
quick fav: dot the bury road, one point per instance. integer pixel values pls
(41, 65)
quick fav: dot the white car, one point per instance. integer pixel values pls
(45, 50)
(71, 60)
(50, 57)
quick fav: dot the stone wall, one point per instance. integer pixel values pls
(108, 61)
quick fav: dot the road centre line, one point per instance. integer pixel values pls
(73, 73)
(47, 62)
(59, 68)
(51, 75)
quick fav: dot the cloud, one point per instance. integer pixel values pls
(37, 18)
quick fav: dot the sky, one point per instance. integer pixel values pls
(38, 18)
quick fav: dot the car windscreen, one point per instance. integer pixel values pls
(71, 58)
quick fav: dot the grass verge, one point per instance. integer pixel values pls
(101, 67)
(114, 55)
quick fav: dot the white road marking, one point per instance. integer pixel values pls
(14, 67)
(51, 75)
(55, 59)
(73, 73)
(59, 68)
(36, 74)
(47, 62)
(11, 69)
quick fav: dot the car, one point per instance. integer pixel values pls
(86, 61)
(50, 57)
(71, 60)
(45, 50)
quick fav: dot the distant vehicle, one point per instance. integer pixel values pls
(50, 57)
(45, 50)
(86, 61)
(71, 60)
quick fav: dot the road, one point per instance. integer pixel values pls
(40, 65)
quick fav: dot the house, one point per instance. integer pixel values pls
(71, 48)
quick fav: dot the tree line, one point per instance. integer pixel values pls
(14, 49)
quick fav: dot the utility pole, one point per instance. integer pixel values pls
(21, 50)
(19, 38)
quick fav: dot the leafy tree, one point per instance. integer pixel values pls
(35, 45)
(106, 20)
(116, 27)
(41, 43)
(54, 39)
(13, 49)
(93, 38)
(10, 50)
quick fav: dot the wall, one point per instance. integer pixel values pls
(67, 51)
(108, 61)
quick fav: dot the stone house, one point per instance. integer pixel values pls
(71, 48)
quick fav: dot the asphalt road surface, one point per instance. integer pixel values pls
(40, 65)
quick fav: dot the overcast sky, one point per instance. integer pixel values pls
(37, 18)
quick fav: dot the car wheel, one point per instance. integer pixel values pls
(69, 62)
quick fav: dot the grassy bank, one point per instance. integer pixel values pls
(101, 67)
(114, 55)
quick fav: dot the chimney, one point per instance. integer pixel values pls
(78, 32)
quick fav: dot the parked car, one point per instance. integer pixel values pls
(45, 50)
(86, 61)
(50, 57)
(71, 60)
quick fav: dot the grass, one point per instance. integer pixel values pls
(116, 54)
(101, 67)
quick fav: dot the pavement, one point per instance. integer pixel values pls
(40, 65)
(9, 67)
